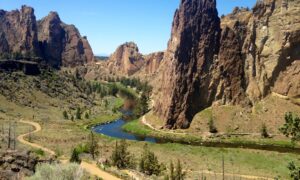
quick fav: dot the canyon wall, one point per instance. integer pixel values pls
(238, 60)
(57, 43)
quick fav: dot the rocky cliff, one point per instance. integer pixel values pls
(62, 44)
(185, 71)
(240, 60)
(18, 32)
(128, 61)
(52, 40)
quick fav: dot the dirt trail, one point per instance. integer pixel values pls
(89, 167)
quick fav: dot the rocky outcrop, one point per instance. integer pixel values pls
(152, 63)
(57, 43)
(240, 60)
(62, 44)
(185, 71)
(126, 59)
(18, 32)
(16, 165)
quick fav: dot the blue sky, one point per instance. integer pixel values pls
(109, 23)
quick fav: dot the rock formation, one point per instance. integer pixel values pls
(240, 60)
(185, 74)
(126, 59)
(52, 40)
(15, 165)
(18, 32)
(62, 44)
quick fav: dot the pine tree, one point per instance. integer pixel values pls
(121, 158)
(179, 174)
(65, 114)
(78, 113)
(149, 163)
(93, 145)
(86, 115)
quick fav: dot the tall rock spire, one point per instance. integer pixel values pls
(194, 42)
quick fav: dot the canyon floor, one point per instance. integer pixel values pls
(61, 136)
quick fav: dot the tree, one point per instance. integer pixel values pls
(75, 156)
(211, 125)
(179, 174)
(121, 158)
(172, 173)
(65, 114)
(149, 163)
(72, 118)
(93, 145)
(294, 171)
(142, 106)
(86, 115)
(264, 131)
(291, 128)
(78, 113)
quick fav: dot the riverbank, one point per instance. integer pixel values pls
(137, 127)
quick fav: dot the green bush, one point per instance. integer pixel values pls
(75, 156)
(211, 125)
(294, 171)
(264, 131)
(39, 152)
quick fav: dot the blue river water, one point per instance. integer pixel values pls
(114, 129)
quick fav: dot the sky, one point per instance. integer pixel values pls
(109, 23)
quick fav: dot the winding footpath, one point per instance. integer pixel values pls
(89, 167)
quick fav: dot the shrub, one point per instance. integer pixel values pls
(39, 152)
(75, 156)
(264, 131)
(58, 172)
(294, 171)
(86, 115)
(78, 113)
(211, 125)
(65, 114)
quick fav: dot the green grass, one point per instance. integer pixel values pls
(137, 128)
(104, 118)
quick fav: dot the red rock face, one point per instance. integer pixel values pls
(57, 43)
(18, 32)
(256, 53)
(62, 44)
(126, 60)
(189, 57)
